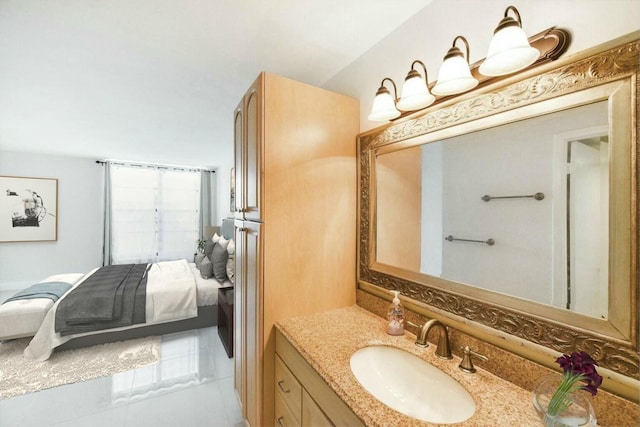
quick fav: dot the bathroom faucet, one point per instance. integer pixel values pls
(443, 350)
(467, 365)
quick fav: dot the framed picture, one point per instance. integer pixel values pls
(28, 209)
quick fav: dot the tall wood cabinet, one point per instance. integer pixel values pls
(295, 221)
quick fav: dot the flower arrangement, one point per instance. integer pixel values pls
(579, 373)
(200, 244)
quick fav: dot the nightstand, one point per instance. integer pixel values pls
(225, 318)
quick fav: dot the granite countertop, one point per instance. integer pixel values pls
(327, 340)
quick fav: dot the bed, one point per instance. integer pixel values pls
(178, 298)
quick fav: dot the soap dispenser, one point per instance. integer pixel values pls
(395, 316)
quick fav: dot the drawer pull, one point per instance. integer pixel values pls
(284, 390)
(280, 421)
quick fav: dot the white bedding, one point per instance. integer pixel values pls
(22, 318)
(207, 288)
(171, 295)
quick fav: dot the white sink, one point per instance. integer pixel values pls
(411, 385)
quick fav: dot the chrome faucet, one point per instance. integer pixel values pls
(443, 350)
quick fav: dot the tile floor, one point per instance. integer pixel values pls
(192, 386)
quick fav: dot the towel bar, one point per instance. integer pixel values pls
(537, 196)
(489, 242)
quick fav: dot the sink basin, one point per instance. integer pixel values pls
(411, 385)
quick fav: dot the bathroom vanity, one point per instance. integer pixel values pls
(315, 350)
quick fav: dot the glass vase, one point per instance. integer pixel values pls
(579, 409)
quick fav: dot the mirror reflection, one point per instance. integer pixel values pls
(521, 209)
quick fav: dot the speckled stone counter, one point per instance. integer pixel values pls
(327, 340)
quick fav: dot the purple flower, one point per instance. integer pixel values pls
(579, 373)
(580, 366)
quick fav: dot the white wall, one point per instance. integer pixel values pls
(496, 163)
(80, 208)
(428, 35)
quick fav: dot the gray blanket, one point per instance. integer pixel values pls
(51, 290)
(114, 296)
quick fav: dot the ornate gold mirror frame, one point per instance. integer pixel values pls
(434, 297)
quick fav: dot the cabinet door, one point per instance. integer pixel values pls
(249, 260)
(312, 415)
(239, 303)
(238, 163)
(247, 137)
(253, 151)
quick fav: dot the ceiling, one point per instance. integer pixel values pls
(158, 80)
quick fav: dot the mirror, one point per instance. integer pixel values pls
(520, 209)
(516, 207)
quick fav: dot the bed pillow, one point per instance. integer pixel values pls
(208, 247)
(224, 243)
(231, 264)
(215, 238)
(231, 270)
(206, 268)
(219, 258)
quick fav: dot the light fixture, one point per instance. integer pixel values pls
(509, 50)
(455, 75)
(384, 106)
(415, 91)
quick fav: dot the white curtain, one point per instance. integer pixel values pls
(152, 213)
(106, 242)
(207, 183)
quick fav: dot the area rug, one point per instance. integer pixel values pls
(19, 375)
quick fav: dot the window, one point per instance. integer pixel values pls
(155, 213)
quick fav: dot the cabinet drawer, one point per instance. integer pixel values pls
(312, 415)
(288, 388)
(322, 395)
(283, 415)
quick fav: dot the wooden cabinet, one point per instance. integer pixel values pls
(238, 167)
(312, 414)
(248, 122)
(295, 221)
(248, 355)
(284, 417)
(294, 405)
(302, 396)
(288, 387)
(288, 393)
